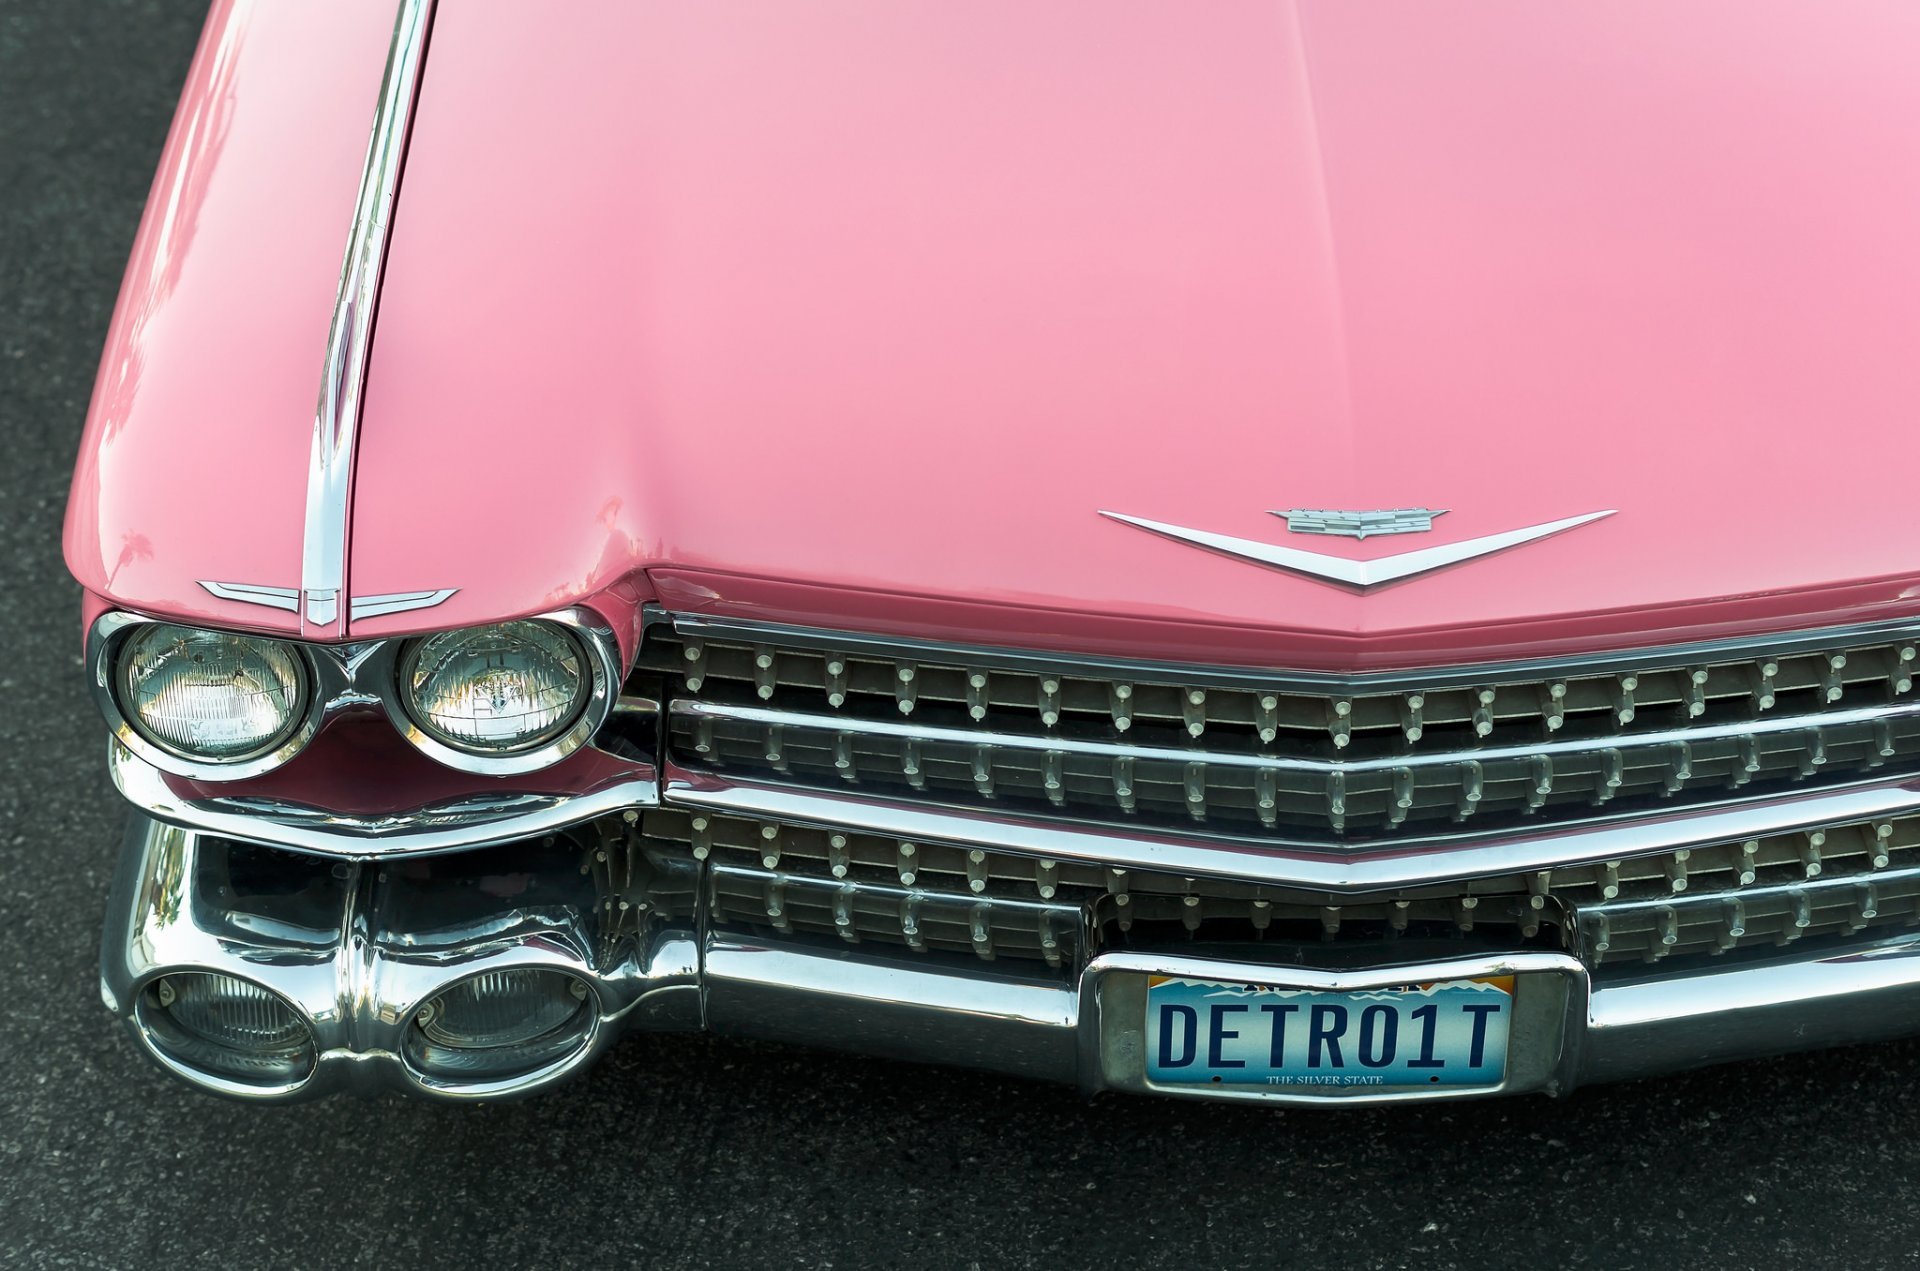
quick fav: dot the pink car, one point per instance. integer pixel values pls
(1288, 551)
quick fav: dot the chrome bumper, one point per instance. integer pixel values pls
(362, 945)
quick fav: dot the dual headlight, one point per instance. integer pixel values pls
(209, 695)
(505, 698)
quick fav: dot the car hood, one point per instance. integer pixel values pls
(862, 314)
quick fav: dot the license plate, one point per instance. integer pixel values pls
(1449, 1034)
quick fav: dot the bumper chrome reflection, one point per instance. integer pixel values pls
(446, 827)
(359, 947)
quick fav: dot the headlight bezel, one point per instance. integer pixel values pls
(111, 634)
(354, 675)
(600, 660)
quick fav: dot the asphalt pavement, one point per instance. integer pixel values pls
(693, 1152)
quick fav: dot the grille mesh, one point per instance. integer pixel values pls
(1832, 883)
(1287, 762)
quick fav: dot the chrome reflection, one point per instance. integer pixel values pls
(356, 950)
(323, 567)
(367, 955)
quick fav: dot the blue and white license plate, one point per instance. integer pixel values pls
(1450, 1034)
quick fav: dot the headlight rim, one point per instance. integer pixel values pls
(110, 635)
(600, 657)
(159, 1031)
(591, 1036)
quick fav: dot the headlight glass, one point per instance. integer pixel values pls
(209, 695)
(501, 1024)
(496, 690)
(229, 1028)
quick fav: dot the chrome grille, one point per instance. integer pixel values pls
(1825, 883)
(1854, 880)
(1279, 757)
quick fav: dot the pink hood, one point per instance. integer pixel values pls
(859, 313)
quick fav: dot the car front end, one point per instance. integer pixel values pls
(1249, 556)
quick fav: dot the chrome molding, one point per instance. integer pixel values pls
(439, 827)
(1668, 1022)
(1356, 869)
(323, 569)
(690, 626)
(1357, 573)
(398, 602)
(287, 598)
(910, 1009)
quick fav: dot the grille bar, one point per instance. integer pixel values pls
(1359, 760)
(923, 920)
(1846, 880)
(1462, 856)
(706, 629)
(1549, 751)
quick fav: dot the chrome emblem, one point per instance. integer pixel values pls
(1357, 573)
(359, 607)
(1360, 524)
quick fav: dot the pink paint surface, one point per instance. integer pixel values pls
(857, 313)
(194, 461)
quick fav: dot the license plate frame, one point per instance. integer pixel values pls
(1549, 994)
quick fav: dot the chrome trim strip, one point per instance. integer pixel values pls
(445, 827)
(1688, 1020)
(693, 626)
(912, 1009)
(1624, 742)
(397, 602)
(1360, 868)
(1357, 573)
(323, 568)
(287, 598)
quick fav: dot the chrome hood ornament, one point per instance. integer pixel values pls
(1360, 524)
(1357, 573)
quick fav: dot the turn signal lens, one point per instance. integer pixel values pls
(209, 695)
(496, 690)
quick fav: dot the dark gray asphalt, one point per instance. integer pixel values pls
(689, 1152)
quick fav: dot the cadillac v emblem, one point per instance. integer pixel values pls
(1357, 573)
(1360, 524)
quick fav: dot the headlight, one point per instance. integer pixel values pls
(209, 696)
(228, 1028)
(499, 1025)
(499, 690)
